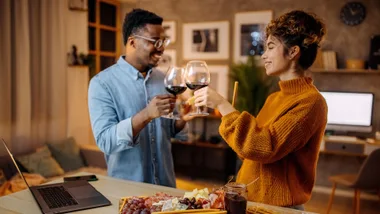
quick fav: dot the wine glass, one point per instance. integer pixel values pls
(197, 76)
(175, 84)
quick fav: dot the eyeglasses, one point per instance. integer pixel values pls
(158, 43)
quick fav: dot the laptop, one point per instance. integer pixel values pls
(64, 197)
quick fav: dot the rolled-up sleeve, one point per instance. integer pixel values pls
(111, 135)
(181, 135)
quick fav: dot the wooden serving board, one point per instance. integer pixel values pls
(123, 200)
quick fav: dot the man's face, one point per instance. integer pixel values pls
(146, 53)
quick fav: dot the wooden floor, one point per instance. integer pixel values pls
(317, 203)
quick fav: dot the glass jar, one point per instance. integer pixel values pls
(235, 198)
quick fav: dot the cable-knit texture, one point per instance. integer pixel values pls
(281, 144)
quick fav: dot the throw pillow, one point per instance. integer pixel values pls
(21, 167)
(3, 179)
(67, 154)
(41, 162)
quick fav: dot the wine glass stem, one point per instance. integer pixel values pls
(199, 110)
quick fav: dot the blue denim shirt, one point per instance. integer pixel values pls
(115, 95)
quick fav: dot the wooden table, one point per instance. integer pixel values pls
(113, 189)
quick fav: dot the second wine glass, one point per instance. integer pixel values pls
(175, 84)
(197, 76)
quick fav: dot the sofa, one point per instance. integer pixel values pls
(87, 158)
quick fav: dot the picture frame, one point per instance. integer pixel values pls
(206, 40)
(80, 5)
(219, 79)
(170, 30)
(249, 32)
(168, 58)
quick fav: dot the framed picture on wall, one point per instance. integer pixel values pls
(219, 79)
(206, 40)
(170, 30)
(248, 33)
(169, 58)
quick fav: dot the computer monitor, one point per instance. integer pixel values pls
(349, 111)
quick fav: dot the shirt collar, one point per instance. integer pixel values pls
(130, 70)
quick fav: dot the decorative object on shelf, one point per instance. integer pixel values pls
(72, 57)
(374, 54)
(248, 33)
(219, 79)
(169, 58)
(88, 60)
(318, 63)
(377, 135)
(329, 60)
(170, 30)
(353, 13)
(78, 5)
(355, 64)
(206, 40)
(254, 85)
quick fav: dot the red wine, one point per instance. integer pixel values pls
(175, 89)
(195, 86)
(235, 204)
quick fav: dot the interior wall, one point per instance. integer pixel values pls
(347, 41)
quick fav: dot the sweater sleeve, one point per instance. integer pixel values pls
(287, 133)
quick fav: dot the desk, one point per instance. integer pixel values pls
(358, 148)
(113, 189)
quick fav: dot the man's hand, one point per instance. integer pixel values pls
(185, 111)
(160, 105)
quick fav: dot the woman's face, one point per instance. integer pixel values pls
(276, 61)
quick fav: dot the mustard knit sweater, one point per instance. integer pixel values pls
(280, 145)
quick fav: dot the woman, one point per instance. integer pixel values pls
(281, 144)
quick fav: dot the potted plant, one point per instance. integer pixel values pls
(254, 85)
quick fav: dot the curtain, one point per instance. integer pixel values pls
(33, 101)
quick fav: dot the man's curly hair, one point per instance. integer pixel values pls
(136, 20)
(299, 28)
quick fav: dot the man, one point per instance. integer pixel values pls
(126, 101)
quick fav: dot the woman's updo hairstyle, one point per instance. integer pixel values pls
(298, 28)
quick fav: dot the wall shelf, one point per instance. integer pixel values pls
(346, 71)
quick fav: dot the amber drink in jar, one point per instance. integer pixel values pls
(235, 198)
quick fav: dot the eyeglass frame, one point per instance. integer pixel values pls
(165, 42)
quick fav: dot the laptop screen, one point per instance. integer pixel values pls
(8, 152)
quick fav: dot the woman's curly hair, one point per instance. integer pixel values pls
(299, 28)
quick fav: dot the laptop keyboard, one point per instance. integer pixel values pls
(57, 197)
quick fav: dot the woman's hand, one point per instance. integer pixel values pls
(208, 97)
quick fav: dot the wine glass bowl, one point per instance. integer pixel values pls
(197, 76)
(175, 84)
